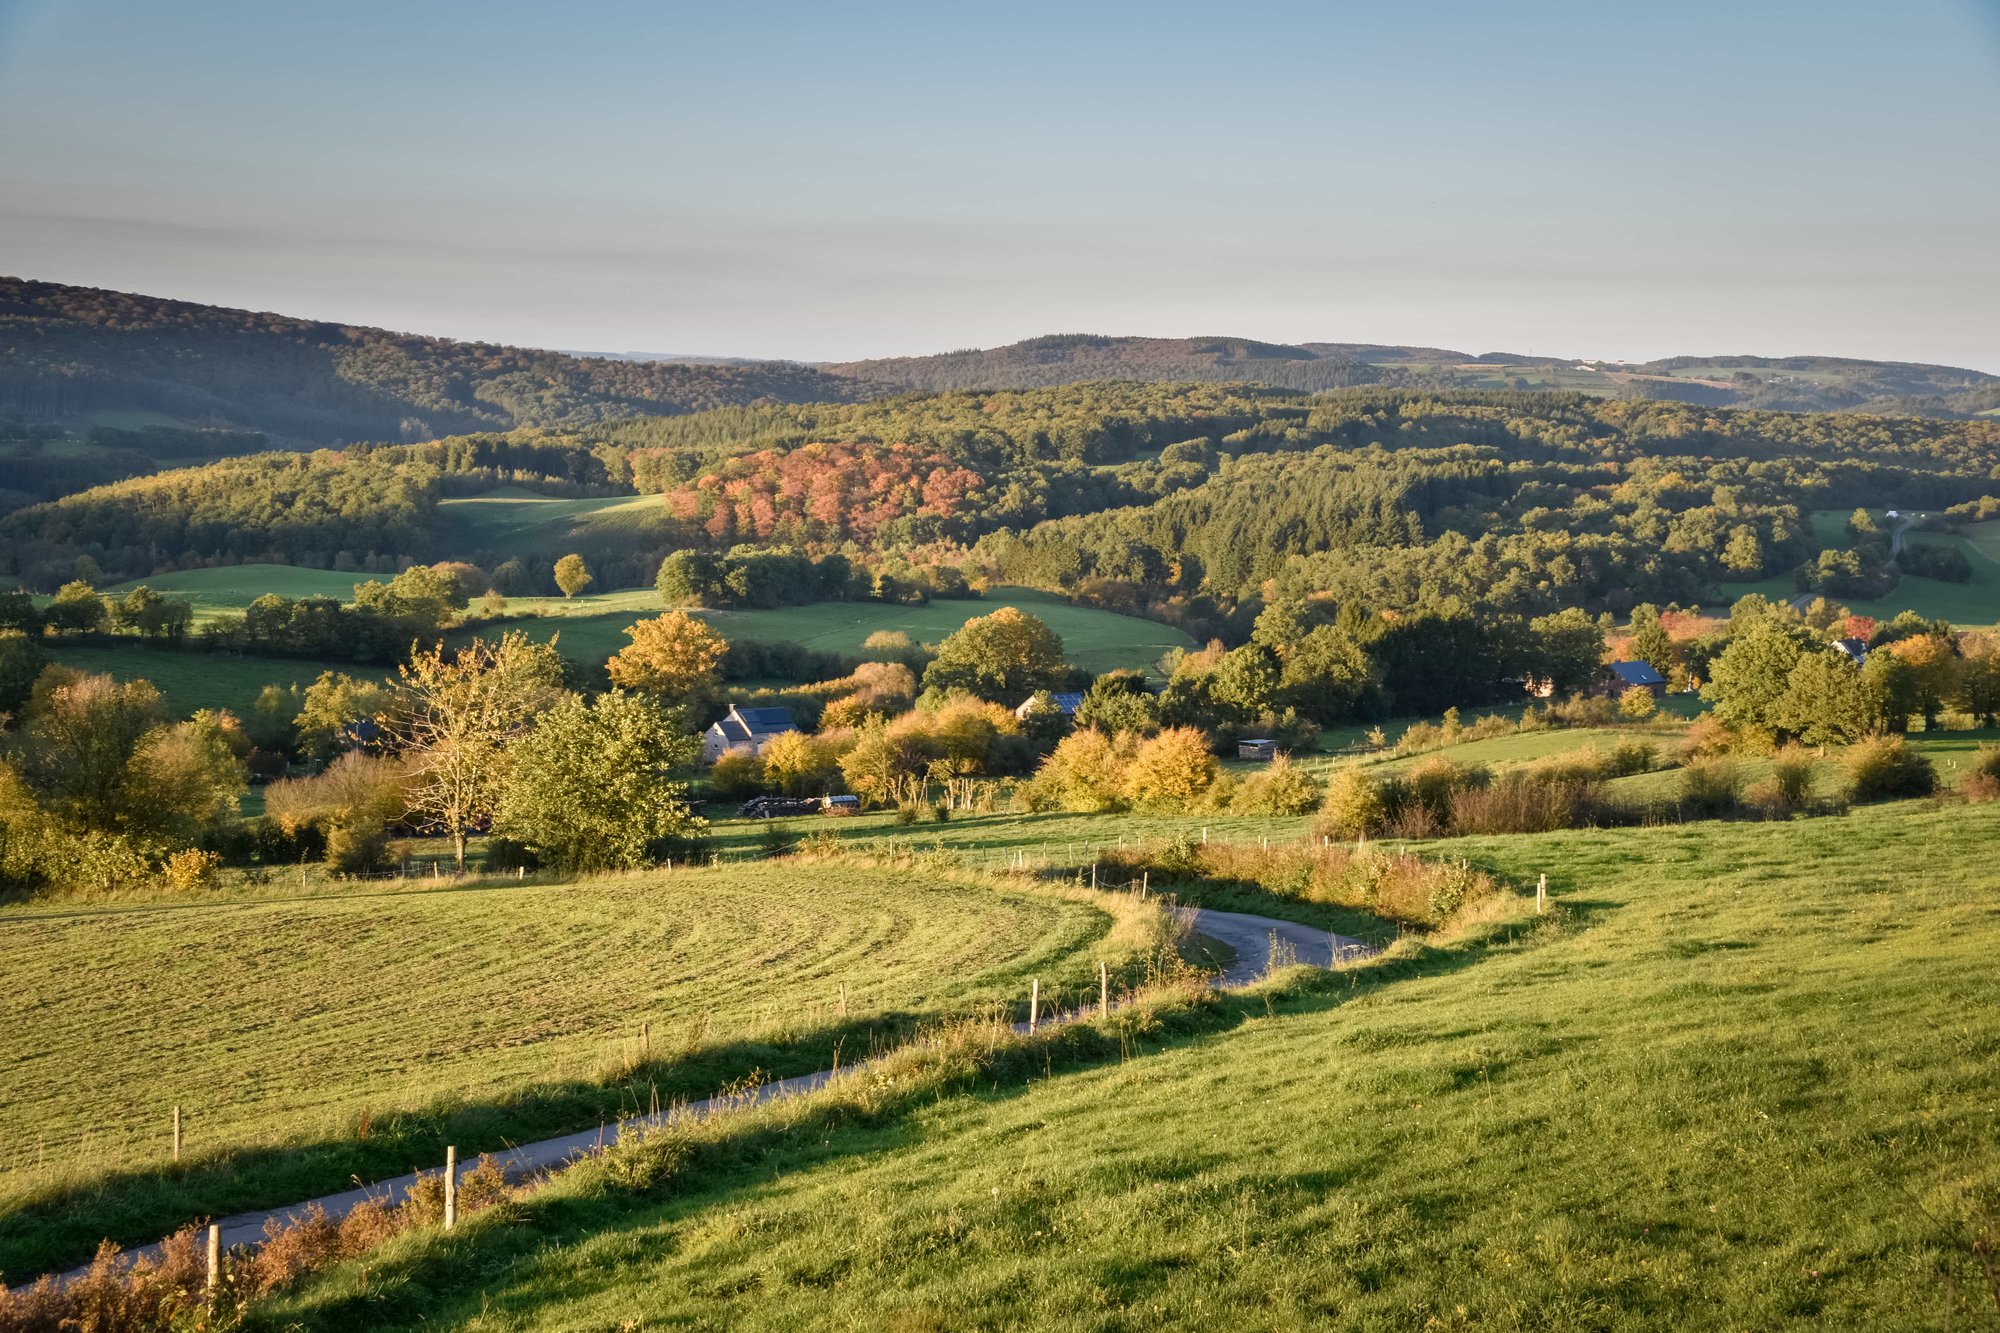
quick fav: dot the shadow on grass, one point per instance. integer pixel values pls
(429, 1282)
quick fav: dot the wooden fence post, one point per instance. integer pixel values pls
(214, 1256)
(1145, 884)
(1103, 990)
(450, 1187)
(1541, 894)
(1034, 1005)
(177, 1131)
(1093, 876)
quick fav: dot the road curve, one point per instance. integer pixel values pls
(1251, 937)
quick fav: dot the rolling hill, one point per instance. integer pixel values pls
(73, 354)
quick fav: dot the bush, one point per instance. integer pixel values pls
(1353, 807)
(504, 854)
(1527, 803)
(191, 869)
(1707, 738)
(737, 774)
(1637, 704)
(1710, 787)
(1281, 789)
(1885, 768)
(1172, 769)
(1432, 783)
(1792, 777)
(1982, 781)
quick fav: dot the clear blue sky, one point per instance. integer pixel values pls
(831, 180)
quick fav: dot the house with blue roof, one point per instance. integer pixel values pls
(1622, 676)
(744, 729)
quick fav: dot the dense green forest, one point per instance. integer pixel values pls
(67, 352)
(1192, 503)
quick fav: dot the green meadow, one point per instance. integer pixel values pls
(309, 1039)
(1742, 1076)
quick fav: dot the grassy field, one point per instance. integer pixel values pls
(1746, 1077)
(512, 521)
(593, 627)
(314, 1039)
(1973, 604)
(230, 588)
(191, 680)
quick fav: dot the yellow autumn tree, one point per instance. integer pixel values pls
(673, 656)
(1174, 768)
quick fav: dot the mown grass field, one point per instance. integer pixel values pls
(1747, 1076)
(313, 1039)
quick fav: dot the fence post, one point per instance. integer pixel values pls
(214, 1256)
(177, 1131)
(1034, 1005)
(1103, 990)
(1093, 876)
(450, 1187)
(1145, 884)
(1204, 835)
(1541, 894)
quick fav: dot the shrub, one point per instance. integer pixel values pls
(191, 869)
(1353, 807)
(1637, 704)
(357, 849)
(504, 853)
(1527, 803)
(1173, 768)
(1633, 756)
(1710, 787)
(737, 773)
(1283, 788)
(1792, 777)
(1982, 781)
(1885, 768)
(1707, 738)
(1432, 783)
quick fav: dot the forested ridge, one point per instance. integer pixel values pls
(66, 350)
(1183, 501)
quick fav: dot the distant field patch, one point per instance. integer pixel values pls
(593, 627)
(230, 588)
(191, 680)
(512, 521)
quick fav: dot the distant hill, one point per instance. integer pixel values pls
(1797, 384)
(1067, 358)
(76, 354)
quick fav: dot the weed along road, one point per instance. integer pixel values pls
(1259, 943)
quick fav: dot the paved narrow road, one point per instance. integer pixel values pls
(1251, 937)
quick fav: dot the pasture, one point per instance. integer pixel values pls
(1970, 605)
(191, 679)
(227, 589)
(593, 626)
(312, 1039)
(512, 521)
(1744, 1075)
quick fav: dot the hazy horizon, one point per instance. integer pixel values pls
(825, 185)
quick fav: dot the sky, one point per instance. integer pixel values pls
(834, 181)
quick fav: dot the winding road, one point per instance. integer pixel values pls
(1251, 937)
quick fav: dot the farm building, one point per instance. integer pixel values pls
(1854, 650)
(1264, 751)
(744, 729)
(1622, 676)
(1064, 702)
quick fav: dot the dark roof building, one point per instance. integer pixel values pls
(744, 729)
(1065, 702)
(1622, 676)
(1854, 650)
